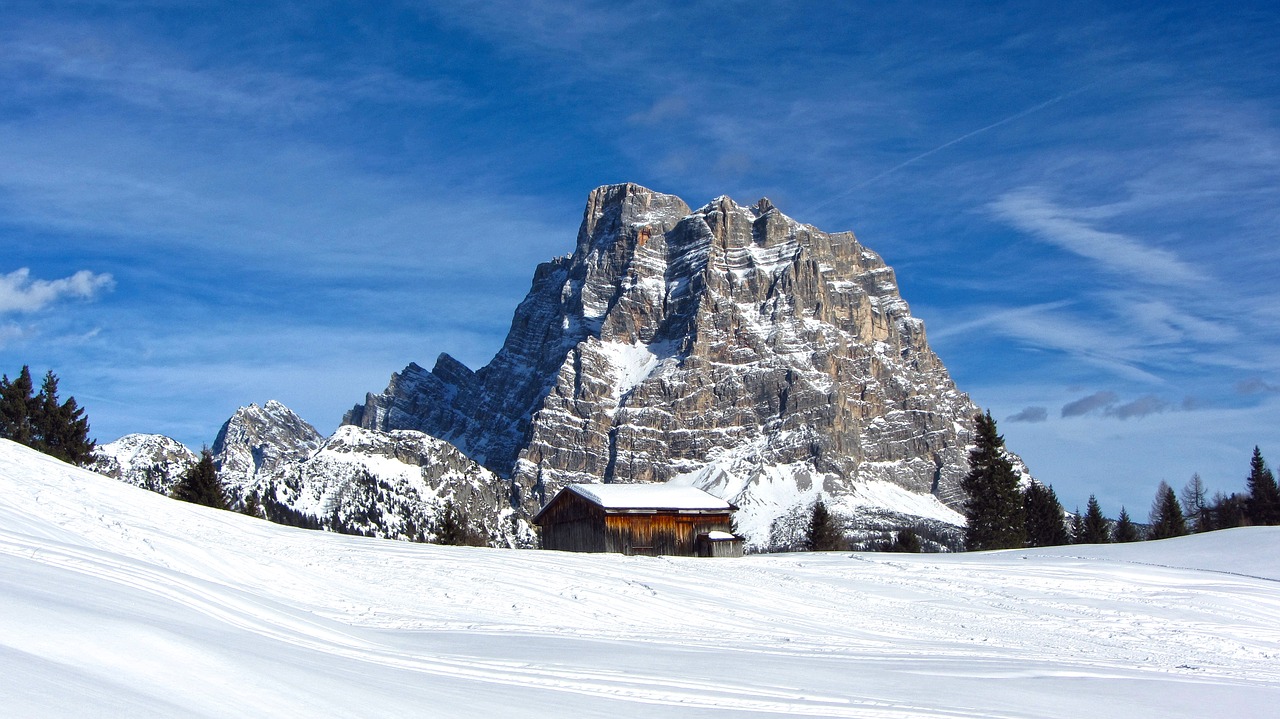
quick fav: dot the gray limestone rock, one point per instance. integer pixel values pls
(255, 441)
(710, 346)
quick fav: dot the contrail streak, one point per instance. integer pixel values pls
(949, 143)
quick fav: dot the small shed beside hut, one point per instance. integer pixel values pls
(647, 519)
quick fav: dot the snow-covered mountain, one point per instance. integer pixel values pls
(395, 485)
(729, 347)
(150, 461)
(259, 441)
(116, 602)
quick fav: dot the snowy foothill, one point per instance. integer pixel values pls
(115, 601)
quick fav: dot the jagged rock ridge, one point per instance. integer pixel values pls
(258, 441)
(708, 345)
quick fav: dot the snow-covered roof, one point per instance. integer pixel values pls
(649, 496)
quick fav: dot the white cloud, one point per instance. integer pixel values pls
(1028, 210)
(20, 293)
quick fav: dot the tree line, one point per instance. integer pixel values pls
(1001, 514)
(41, 421)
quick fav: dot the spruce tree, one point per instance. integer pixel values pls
(62, 430)
(823, 534)
(1044, 517)
(993, 509)
(1077, 526)
(1125, 530)
(1195, 504)
(1095, 525)
(15, 408)
(200, 485)
(40, 422)
(1166, 514)
(1226, 511)
(451, 525)
(1263, 503)
(907, 542)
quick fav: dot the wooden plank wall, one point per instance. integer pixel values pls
(666, 533)
(573, 524)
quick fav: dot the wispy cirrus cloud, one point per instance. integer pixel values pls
(1029, 210)
(20, 293)
(156, 77)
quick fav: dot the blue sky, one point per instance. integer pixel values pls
(210, 204)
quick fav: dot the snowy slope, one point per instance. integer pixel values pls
(115, 601)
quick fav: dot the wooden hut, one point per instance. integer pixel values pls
(648, 519)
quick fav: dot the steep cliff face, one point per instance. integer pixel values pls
(713, 345)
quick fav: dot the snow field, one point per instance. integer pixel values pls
(115, 601)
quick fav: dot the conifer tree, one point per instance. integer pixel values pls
(200, 485)
(1095, 525)
(41, 422)
(1226, 511)
(1077, 526)
(1263, 503)
(823, 534)
(451, 525)
(15, 408)
(1044, 517)
(907, 542)
(1125, 530)
(994, 506)
(62, 429)
(1195, 504)
(1166, 514)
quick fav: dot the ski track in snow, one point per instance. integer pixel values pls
(118, 602)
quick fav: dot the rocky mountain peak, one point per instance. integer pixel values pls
(257, 440)
(675, 342)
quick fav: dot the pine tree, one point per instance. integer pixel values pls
(1095, 525)
(200, 485)
(994, 508)
(451, 525)
(1226, 511)
(823, 534)
(62, 430)
(1263, 504)
(1125, 530)
(1166, 514)
(252, 506)
(15, 408)
(1044, 517)
(40, 422)
(1195, 503)
(1077, 526)
(907, 542)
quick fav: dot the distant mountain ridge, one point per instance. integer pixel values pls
(393, 485)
